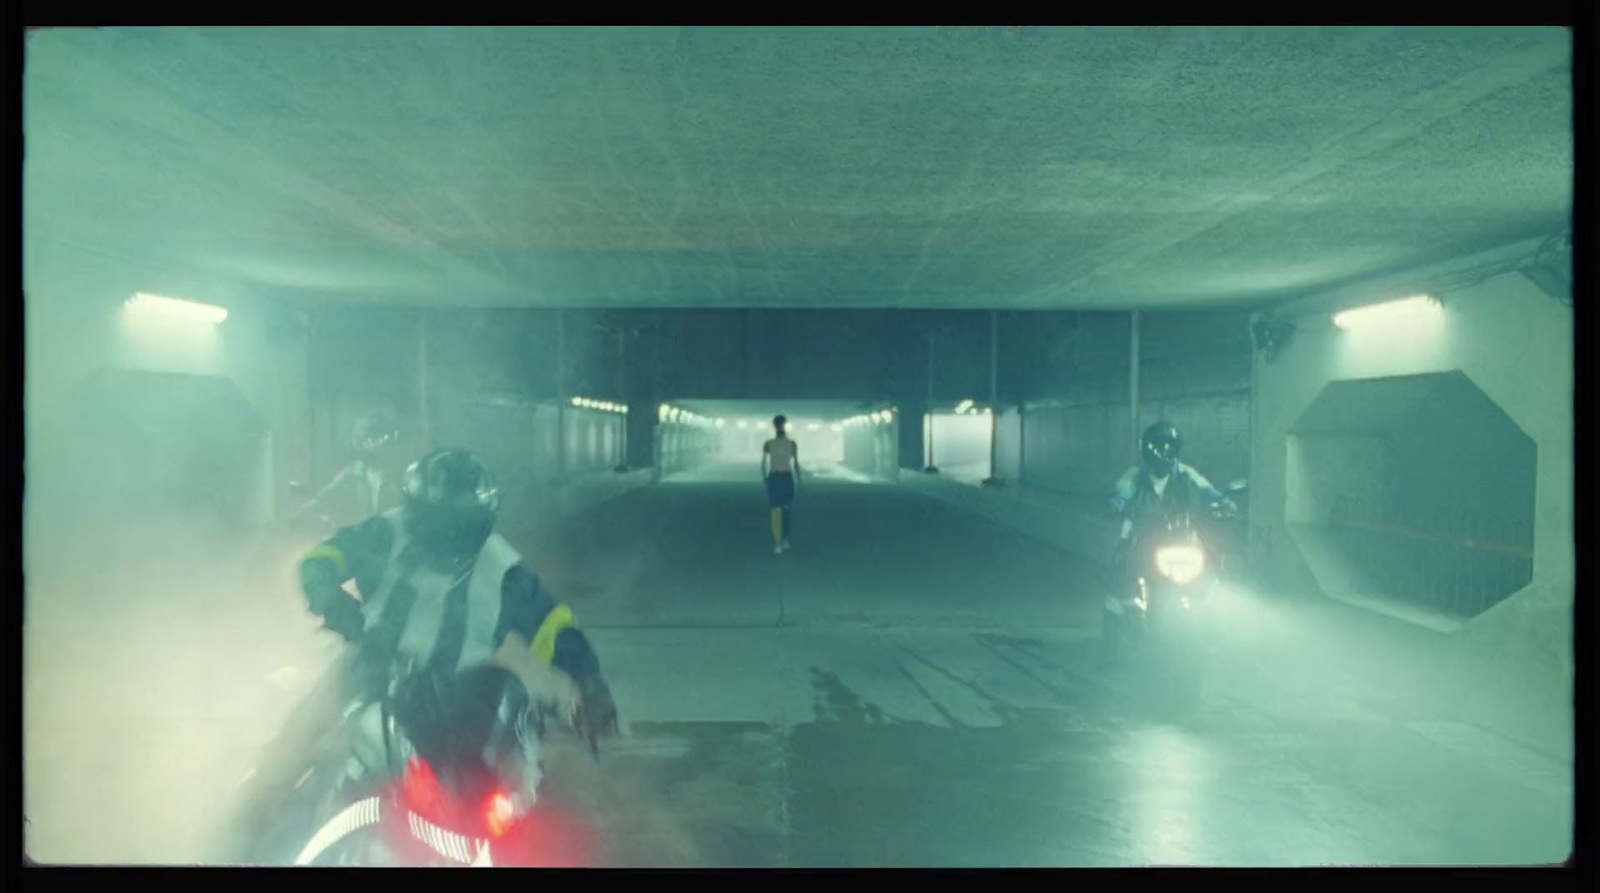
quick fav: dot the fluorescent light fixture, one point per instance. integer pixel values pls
(191, 310)
(813, 427)
(963, 406)
(741, 424)
(665, 412)
(721, 422)
(1395, 313)
(577, 401)
(837, 428)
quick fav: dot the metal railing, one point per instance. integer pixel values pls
(1457, 561)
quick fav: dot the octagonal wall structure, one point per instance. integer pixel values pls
(1509, 340)
(1412, 492)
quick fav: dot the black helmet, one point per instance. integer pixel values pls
(450, 505)
(1160, 447)
(374, 431)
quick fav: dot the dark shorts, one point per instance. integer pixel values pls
(780, 489)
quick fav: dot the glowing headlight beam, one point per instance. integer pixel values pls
(1395, 313)
(148, 304)
(1181, 564)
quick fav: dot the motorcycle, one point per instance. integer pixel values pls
(436, 772)
(1164, 625)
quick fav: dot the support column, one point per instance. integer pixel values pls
(1133, 382)
(424, 414)
(994, 397)
(927, 437)
(623, 396)
(563, 394)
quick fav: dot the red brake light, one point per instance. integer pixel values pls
(422, 786)
(500, 814)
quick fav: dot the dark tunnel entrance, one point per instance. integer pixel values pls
(1414, 491)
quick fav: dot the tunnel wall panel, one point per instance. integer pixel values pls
(75, 325)
(681, 447)
(1194, 368)
(1516, 344)
(1008, 445)
(873, 450)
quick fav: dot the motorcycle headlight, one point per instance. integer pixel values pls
(1181, 564)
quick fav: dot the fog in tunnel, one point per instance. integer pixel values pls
(959, 266)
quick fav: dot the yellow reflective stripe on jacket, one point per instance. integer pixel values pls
(544, 641)
(332, 553)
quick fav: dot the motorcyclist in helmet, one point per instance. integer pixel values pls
(1160, 482)
(443, 593)
(370, 484)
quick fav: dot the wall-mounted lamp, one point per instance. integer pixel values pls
(155, 305)
(1406, 311)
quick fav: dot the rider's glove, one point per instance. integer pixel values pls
(596, 716)
(342, 614)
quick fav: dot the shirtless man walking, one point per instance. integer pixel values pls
(780, 468)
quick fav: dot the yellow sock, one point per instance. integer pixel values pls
(777, 527)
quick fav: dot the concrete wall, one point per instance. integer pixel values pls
(873, 450)
(75, 324)
(1321, 472)
(398, 359)
(961, 444)
(1077, 437)
(520, 442)
(1008, 445)
(1515, 343)
(682, 446)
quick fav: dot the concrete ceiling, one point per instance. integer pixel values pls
(797, 167)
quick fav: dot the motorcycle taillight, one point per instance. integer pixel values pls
(500, 814)
(421, 786)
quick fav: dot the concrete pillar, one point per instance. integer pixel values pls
(1133, 381)
(424, 411)
(563, 392)
(925, 435)
(994, 397)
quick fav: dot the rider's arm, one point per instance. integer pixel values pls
(794, 452)
(1202, 487)
(348, 555)
(549, 628)
(341, 481)
(1122, 495)
(766, 458)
